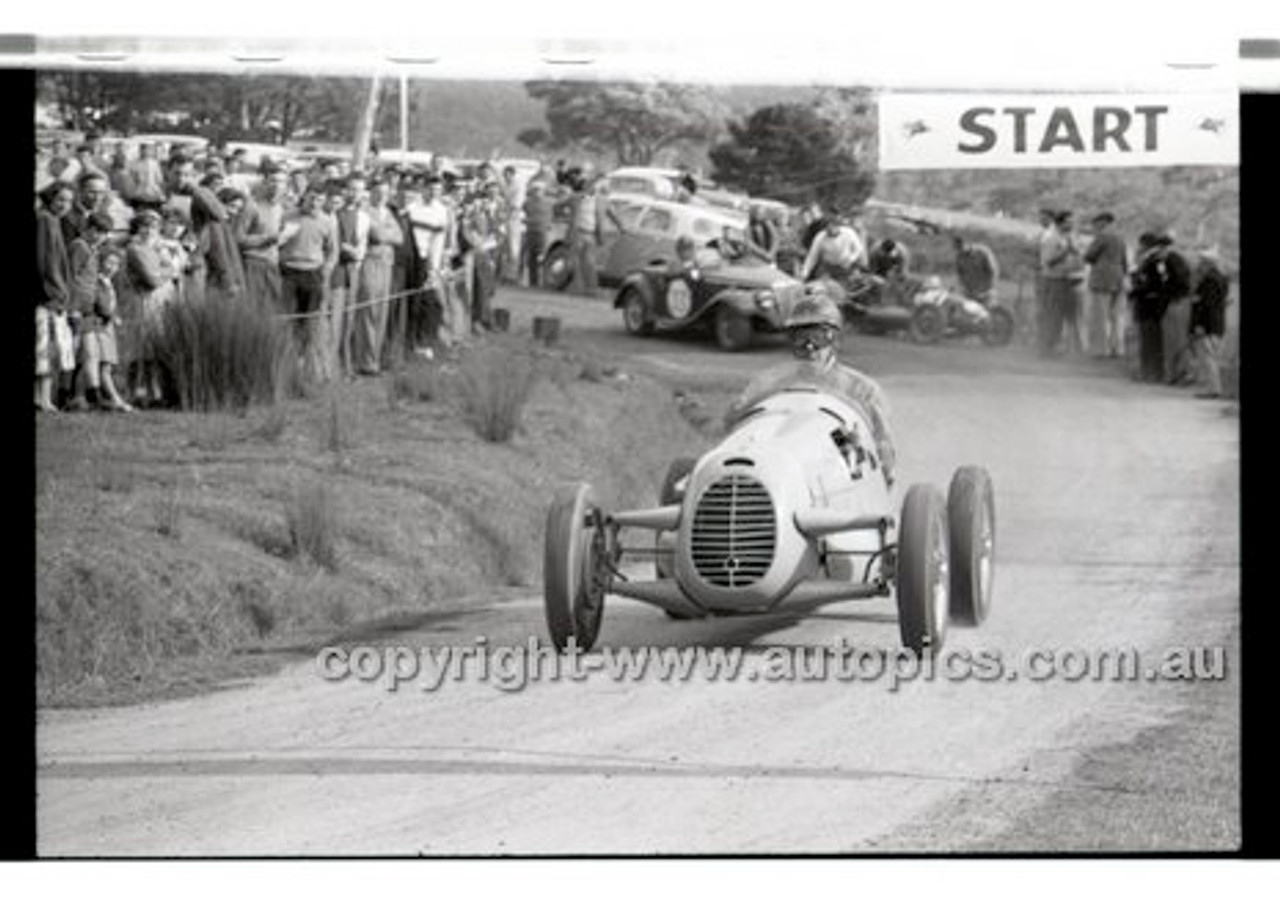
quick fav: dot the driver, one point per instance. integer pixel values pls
(815, 327)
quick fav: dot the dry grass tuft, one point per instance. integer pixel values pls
(224, 355)
(167, 510)
(495, 386)
(312, 521)
(413, 382)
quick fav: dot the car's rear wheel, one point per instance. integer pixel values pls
(999, 328)
(557, 268)
(574, 575)
(668, 495)
(928, 324)
(923, 574)
(732, 329)
(635, 313)
(971, 524)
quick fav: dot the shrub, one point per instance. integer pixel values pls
(224, 354)
(273, 425)
(168, 513)
(414, 382)
(336, 437)
(495, 386)
(312, 522)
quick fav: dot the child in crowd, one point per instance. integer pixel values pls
(83, 255)
(175, 254)
(99, 353)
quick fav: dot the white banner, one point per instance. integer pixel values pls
(1058, 131)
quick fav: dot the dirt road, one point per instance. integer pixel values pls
(1117, 509)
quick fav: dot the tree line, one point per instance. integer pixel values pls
(263, 108)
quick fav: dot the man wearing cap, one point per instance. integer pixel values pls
(815, 328)
(1154, 283)
(1108, 258)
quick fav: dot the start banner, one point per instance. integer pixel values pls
(1057, 131)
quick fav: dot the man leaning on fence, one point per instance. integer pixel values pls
(305, 248)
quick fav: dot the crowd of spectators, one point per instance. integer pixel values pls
(369, 266)
(1162, 310)
(365, 266)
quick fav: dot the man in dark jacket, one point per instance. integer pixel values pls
(1156, 281)
(1208, 320)
(1176, 325)
(538, 213)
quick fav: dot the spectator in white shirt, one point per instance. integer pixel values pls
(836, 252)
(146, 179)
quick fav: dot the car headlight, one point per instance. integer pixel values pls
(765, 299)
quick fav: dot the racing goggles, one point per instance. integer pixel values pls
(813, 336)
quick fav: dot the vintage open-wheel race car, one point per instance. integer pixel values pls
(791, 511)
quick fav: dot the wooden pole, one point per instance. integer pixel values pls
(364, 127)
(404, 116)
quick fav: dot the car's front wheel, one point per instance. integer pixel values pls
(732, 329)
(573, 568)
(971, 522)
(928, 324)
(635, 313)
(557, 268)
(923, 571)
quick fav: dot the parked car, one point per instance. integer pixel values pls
(727, 291)
(666, 185)
(255, 153)
(644, 181)
(637, 231)
(790, 511)
(165, 144)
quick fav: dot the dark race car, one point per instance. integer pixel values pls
(725, 290)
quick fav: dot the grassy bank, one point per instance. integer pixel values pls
(178, 550)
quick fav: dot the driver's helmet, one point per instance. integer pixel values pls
(815, 307)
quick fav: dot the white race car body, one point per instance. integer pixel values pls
(789, 512)
(778, 503)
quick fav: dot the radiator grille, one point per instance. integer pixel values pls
(734, 531)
